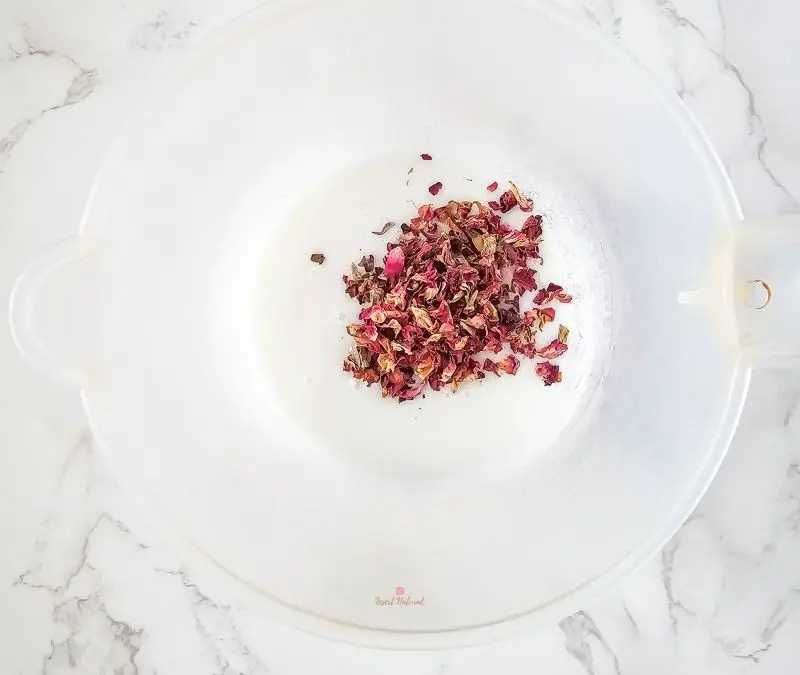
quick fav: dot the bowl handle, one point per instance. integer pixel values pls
(22, 308)
(766, 293)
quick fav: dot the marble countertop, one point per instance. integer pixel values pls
(85, 587)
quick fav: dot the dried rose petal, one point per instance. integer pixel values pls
(434, 189)
(394, 262)
(375, 314)
(318, 258)
(532, 227)
(426, 156)
(508, 201)
(552, 292)
(525, 204)
(523, 280)
(422, 318)
(387, 226)
(549, 372)
(358, 357)
(478, 321)
(386, 362)
(563, 334)
(509, 365)
(443, 314)
(449, 294)
(492, 186)
(548, 314)
(411, 393)
(552, 350)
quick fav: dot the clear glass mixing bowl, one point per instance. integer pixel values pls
(211, 365)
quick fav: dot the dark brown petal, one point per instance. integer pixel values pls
(387, 226)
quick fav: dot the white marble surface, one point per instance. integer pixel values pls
(85, 588)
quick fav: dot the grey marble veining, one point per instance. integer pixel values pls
(86, 587)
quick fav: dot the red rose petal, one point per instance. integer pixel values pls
(507, 201)
(447, 295)
(549, 372)
(395, 262)
(523, 280)
(525, 204)
(509, 365)
(553, 350)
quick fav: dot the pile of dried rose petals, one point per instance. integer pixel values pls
(448, 296)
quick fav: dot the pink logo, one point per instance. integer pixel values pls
(399, 591)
